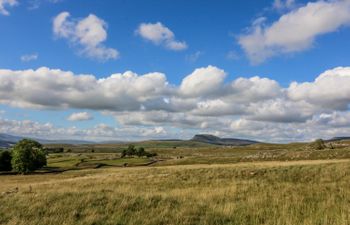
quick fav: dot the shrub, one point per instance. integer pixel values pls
(150, 154)
(318, 144)
(5, 161)
(54, 150)
(27, 156)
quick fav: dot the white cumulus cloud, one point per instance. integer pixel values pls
(283, 4)
(330, 90)
(203, 81)
(30, 57)
(80, 116)
(159, 34)
(88, 33)
(294, 31)
(6, 3)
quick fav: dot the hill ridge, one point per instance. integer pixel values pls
(212, 139)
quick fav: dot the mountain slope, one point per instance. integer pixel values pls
(211, 139)
(339, 139)
(7, 140)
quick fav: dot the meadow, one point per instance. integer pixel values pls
(188, 153)
(258, 184)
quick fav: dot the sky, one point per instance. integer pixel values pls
(268, 70)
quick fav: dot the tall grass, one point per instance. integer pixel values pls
(279, 193)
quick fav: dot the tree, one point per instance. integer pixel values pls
(123, 154)
(27, 156)
(131, 150)
(5, 161)
(140, 151)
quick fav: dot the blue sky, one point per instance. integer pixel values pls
(243, 39)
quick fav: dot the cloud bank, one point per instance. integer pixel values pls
(203, 101)
(99, 132)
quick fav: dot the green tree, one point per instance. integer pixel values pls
(131, 150)
(5, 161)
(150, 154)
(27, 156)
(140, 152)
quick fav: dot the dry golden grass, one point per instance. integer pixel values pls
(279, 193)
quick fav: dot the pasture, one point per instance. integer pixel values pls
(258, 184)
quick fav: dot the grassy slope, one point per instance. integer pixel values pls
(193, 152)
(119, 147)
(257, 152)
(259, 188)
(290, 193)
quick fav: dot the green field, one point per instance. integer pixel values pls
(258, 184)
(187, 153)
(75, 160)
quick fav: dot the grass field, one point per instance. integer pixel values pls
(118, 147)
(300, 192)
(187, 152)
(74, 160)
(258, 184)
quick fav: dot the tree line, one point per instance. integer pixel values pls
(139, 152)
(29, 155)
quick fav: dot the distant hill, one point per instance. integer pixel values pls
(71, 142)
(339, 139)
(10, 138)
(211, 139)
(7, 140)
(6, 144)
